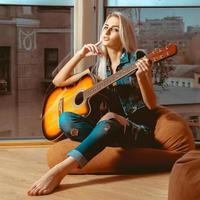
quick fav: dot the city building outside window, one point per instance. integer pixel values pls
(34, 39)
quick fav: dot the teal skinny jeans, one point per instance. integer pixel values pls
(94, 138)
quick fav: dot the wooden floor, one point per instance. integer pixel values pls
(20, 167)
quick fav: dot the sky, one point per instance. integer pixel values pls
(191, 16)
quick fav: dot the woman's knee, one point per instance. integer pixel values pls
(107, 127)
(66, 121)
(74, 126)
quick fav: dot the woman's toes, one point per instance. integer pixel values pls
(31, 189)
(35, 191)
(30, 192)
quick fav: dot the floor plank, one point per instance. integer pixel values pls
(20, 167)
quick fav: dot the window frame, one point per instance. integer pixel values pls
(151, 3)
(14, 141)
(38, 2)
(90, 7)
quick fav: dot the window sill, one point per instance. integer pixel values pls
(25, 143)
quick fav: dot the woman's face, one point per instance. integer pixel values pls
(110, 34)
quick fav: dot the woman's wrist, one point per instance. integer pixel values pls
(80, 54)
(140, 76)
(143, 76)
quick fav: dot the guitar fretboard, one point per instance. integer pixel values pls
(109, 80)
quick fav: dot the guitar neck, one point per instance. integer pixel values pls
(155, 56)
(110, 80)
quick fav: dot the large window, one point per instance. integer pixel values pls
(37, 35)
(176, 80)
(34, 39)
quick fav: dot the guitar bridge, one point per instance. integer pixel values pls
(61, 106)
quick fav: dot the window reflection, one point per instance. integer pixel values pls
(34, 39)
(176, 79)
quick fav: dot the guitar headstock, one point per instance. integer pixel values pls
(162, 53)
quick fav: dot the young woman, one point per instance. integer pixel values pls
(115, 50)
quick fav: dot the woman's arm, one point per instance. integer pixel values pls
(61, 79)
(64, 78)
(144, 79)
(74, 78)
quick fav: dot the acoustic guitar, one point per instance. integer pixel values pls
(84, 97)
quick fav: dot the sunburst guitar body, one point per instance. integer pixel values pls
(71, 99)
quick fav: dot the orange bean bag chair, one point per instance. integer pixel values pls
(171, 132)
(184, 183)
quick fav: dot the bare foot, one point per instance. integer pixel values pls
(47, 183)
(51, 180)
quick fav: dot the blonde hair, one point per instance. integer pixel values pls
(127, 36)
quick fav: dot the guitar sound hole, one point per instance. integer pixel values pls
(79, 98)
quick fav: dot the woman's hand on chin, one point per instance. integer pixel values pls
(90, 50)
